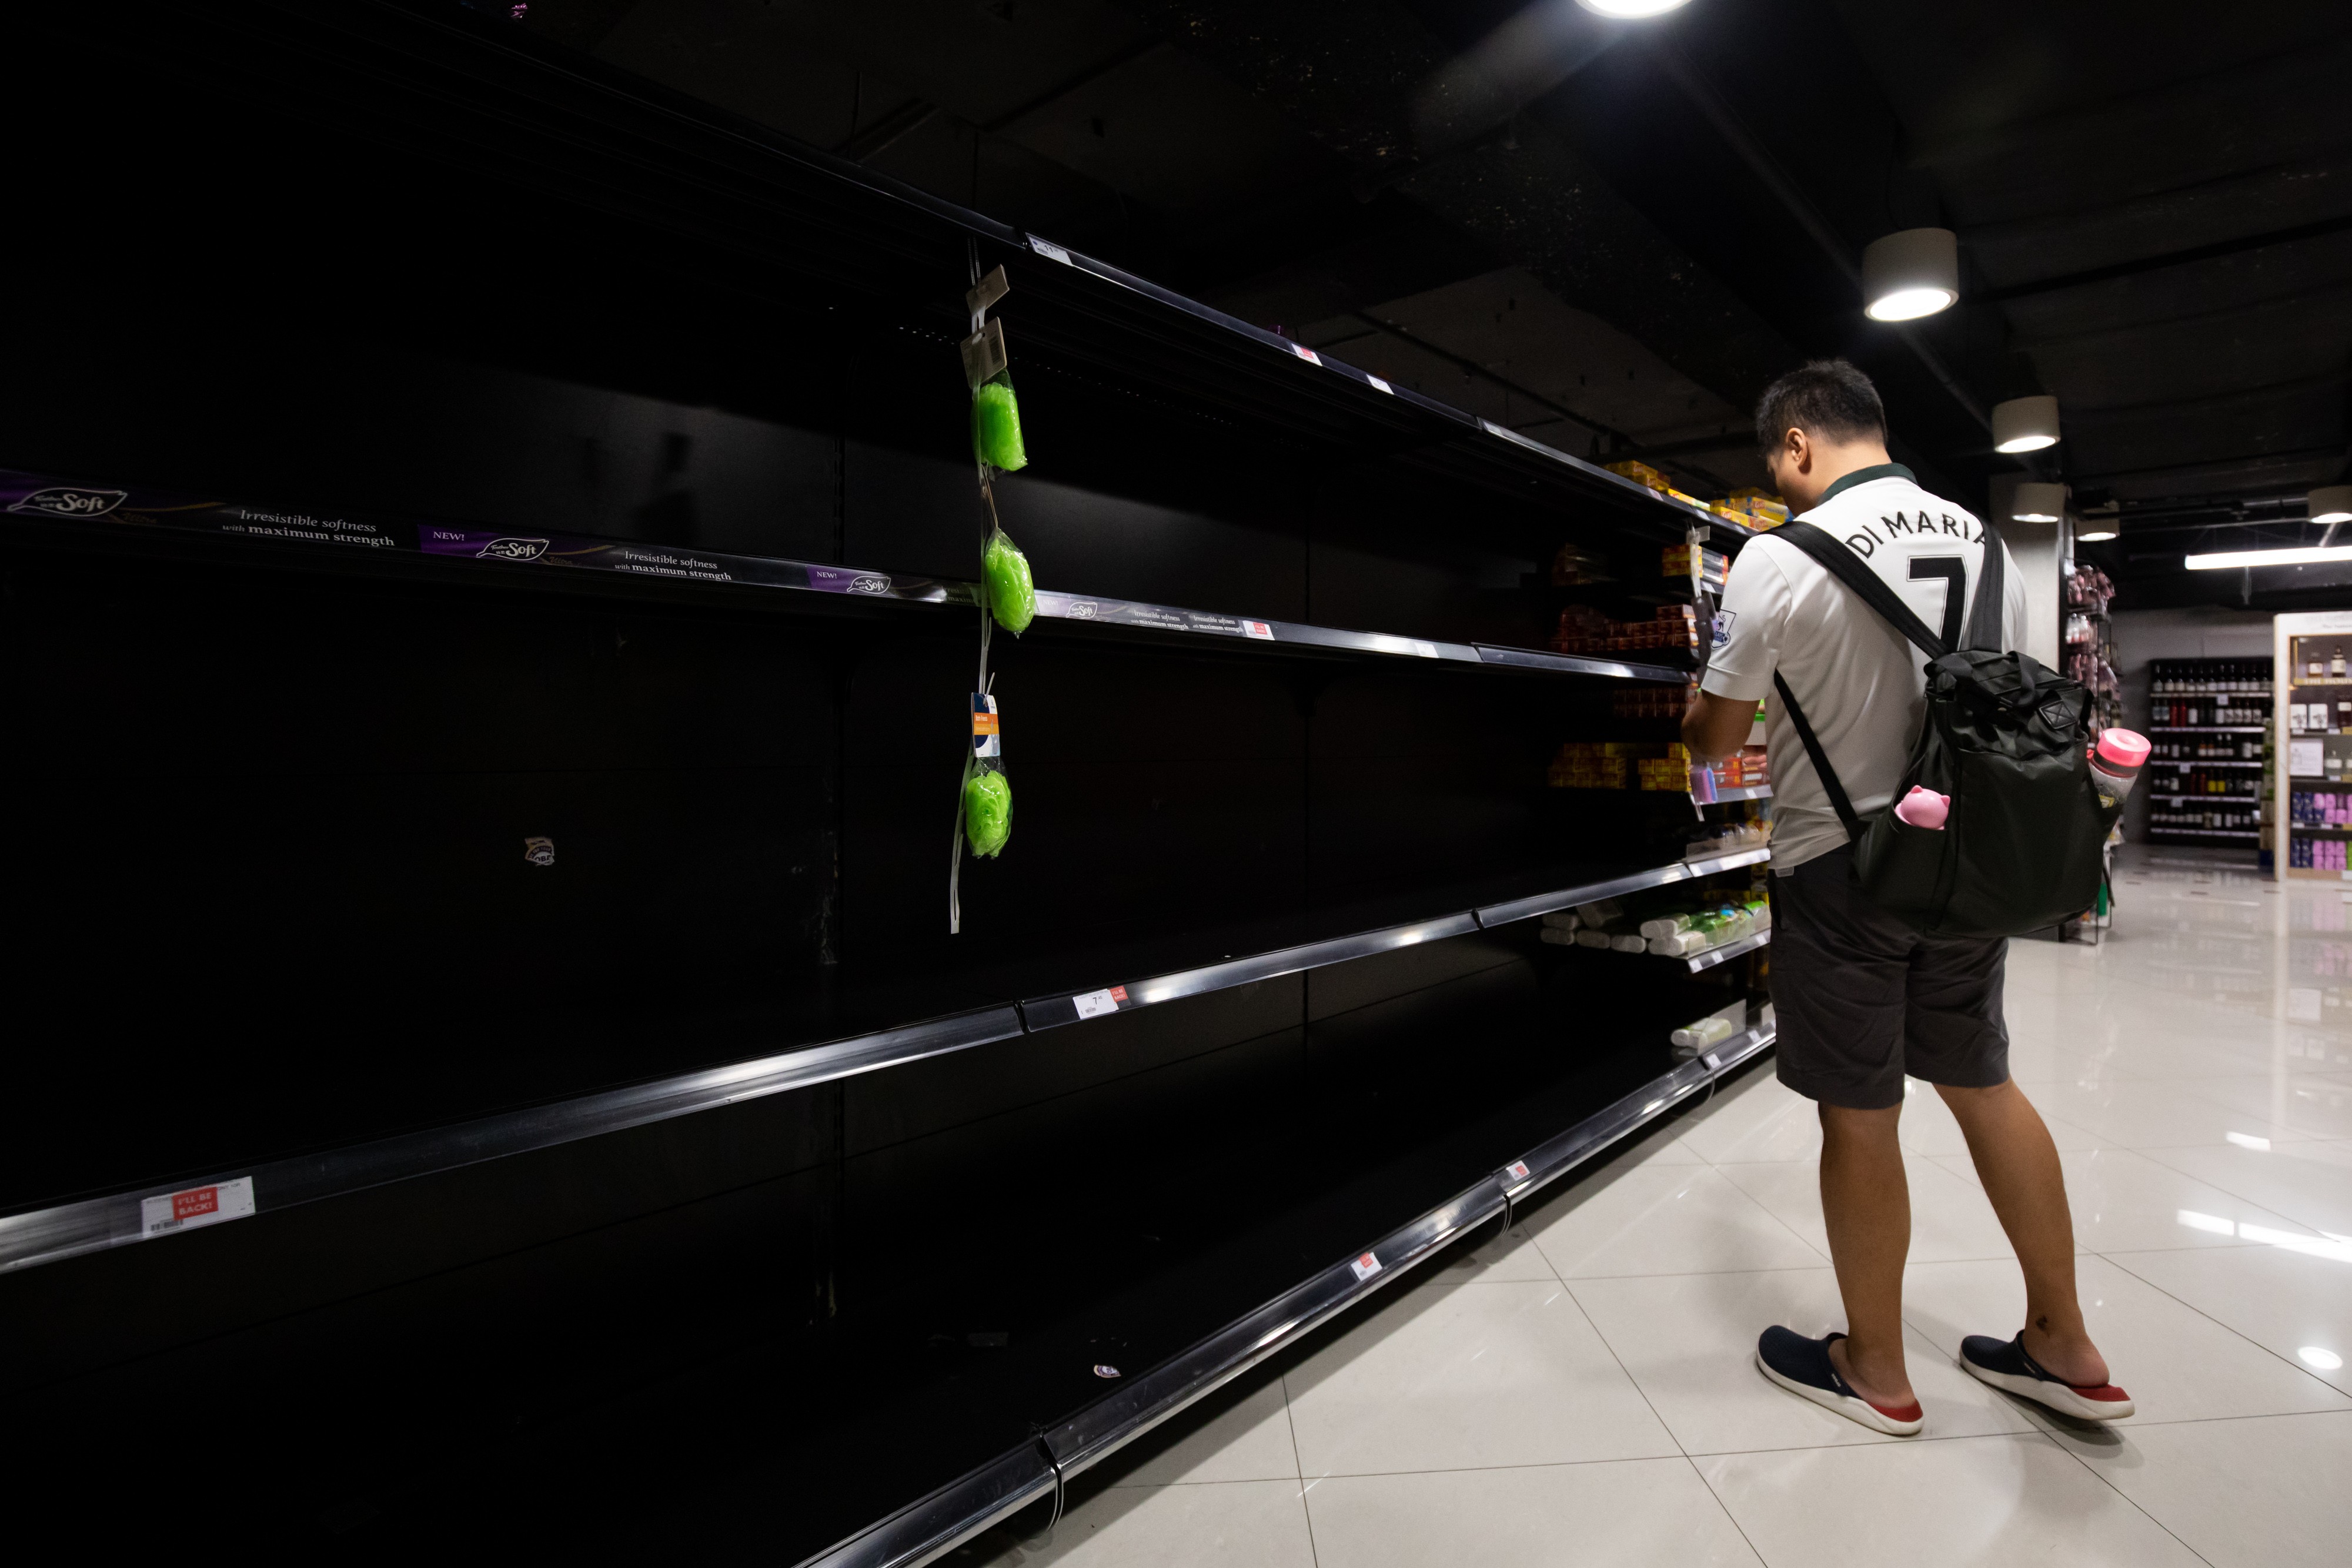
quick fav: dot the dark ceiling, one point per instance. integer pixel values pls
(1611, 236)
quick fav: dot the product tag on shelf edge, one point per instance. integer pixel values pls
(194, 1206)
(1094, 1004)
(987, 732)
(1516, 1170)
(1049, 250)
(1365, 1266)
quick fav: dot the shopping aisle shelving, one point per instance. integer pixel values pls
(1582, 1389)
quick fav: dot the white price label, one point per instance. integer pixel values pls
(1303, 352)
(1713, 1060)
(1426, 650)
(1516, 1170)
(1379, 385)
(1259, 630)
(1049, 250)
(196, 1207)
(1094, 1004)
(1365, 1266)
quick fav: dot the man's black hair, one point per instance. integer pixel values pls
(1828, 400)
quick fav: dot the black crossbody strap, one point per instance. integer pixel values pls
(1847, 568)
(1985, 617)
(1828, 774)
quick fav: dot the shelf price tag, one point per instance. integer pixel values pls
(1365, 1266)
(1303, 352)
(1049, 250)
(1259, 630)
(987, 731)
(1094, 1004)
(1516, 1170)
(195, 1206)
(1379, 385)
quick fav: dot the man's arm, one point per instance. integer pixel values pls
(1716, 726)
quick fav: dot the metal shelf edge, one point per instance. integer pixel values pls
(47, 1235)
(1728, 951)
(1577, 663)
(1495, 915)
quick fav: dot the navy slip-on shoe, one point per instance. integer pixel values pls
(2005, 1365)
(1802, 1366)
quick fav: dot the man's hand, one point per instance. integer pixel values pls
(1716, 727)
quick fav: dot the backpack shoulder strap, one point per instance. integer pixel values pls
(1986, 616)
(1839, 799)
(1847, 568)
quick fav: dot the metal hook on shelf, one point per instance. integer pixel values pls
(1044, 1537)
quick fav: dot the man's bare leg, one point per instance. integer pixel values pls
(2019, 1166)
(1867, 1203)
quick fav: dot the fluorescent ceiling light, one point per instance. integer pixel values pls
(2038, 501)
(1909, 274)
(2025, 425)
(2332, 504)
(2291, 557)
(2096, 533)
(1629, 9)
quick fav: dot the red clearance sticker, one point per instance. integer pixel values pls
(194, 1206)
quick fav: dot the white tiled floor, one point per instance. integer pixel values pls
(1582, 1391)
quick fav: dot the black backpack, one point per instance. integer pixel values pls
(2008, 739)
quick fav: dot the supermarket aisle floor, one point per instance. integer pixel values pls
(1581, 1391)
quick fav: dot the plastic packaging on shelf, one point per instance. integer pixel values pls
(1012, 593)
(987, 812)
(996, 424)
(1696, 1036)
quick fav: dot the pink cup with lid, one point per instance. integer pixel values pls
(2117, 761)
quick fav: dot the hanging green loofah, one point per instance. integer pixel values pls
(996, 425)
(987, 812)
(1011, 594)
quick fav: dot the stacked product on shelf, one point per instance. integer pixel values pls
(2208, 725)
(1671, 929)
(1584, 630)
(1752, 508)
(2317, 693)
(2090, 640)
(1653, 702)
(1619, 764)
(1702, 567)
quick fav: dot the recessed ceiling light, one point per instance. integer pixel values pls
(1909, 274)
(2304, 556)
(2332, 504)
(2326, 1360)
(2025, 425)
(1628, 10)
(2096, 533)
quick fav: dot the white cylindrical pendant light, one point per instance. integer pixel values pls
(2330, 504)
(1910, 273)
(2095, 530)
(2037, 502)
(2025, 425)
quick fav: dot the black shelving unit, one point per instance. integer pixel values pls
(2210, 720)
(490, 707)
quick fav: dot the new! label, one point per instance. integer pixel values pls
(1365, 1266)
(197, 1205)
(1094, 1004)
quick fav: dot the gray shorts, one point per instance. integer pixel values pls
(1863, 1000)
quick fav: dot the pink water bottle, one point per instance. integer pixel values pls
(1924, 808)
(2115, 763)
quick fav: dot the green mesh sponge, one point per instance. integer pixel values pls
(1011, 594)
(987, 812)
(996, 425)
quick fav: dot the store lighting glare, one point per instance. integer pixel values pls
(2332, 504)
(1909, 274)
(2230, 559)
(2038, 502)
(2096, 533)
(1632, 10)
(2025, 425)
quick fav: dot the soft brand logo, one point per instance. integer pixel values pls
(65, 501)
(512, 549)
(870, 585)
(1082, 611)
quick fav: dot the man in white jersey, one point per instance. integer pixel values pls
(1863, 998)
